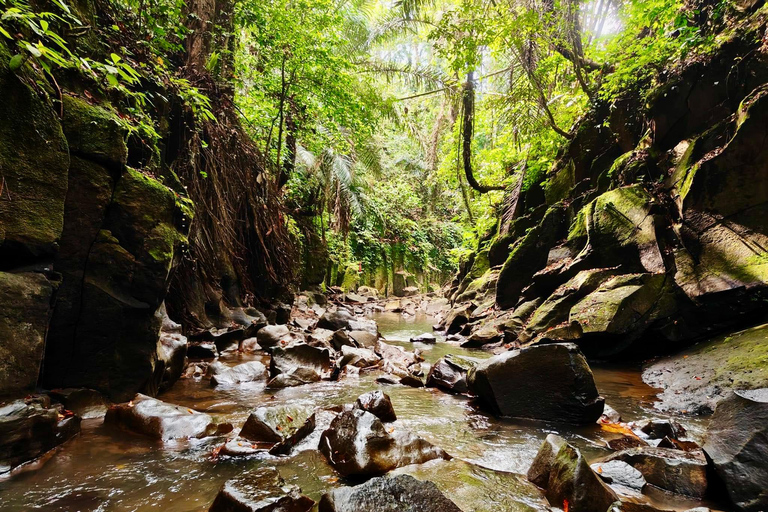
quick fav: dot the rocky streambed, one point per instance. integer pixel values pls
(350, 426)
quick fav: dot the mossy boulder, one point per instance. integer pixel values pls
(621, 229)
(33, 171)
(25, 300)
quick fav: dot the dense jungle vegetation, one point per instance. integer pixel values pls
(400, 132)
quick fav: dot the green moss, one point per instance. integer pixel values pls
(94, 131)
(559, 186)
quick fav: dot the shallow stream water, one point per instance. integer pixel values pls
(107, 469)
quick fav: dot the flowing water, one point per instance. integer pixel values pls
(107, 469)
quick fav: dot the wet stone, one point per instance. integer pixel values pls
(260, 490)
(619, 473)
(401, 493)
(377, 403)
(672, 470)
(86, 403)
(31, 427)
(272, 335)
(158, 419)
(281, 426)
(358, 444)
(202, 350)
(247, 372)
(424, 338)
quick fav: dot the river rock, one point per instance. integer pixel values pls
(737, 443)
(297, 377)
(358, 444)
(299, 356)
(284, 426)
(548, 382)
(272, 335)
(31, 427)
(450, 374)
(335, 320)
(427, 337)
(321, 338)
(364, 339)
(672, 470)
(172, 353)
(247, 372)
(202, 350)
(260, 490)
(397, 355)
(659, 429)
(411, 381)
(86, 403)
(401, 493)
(377, 403)
(619, 473)
(359, 357)
(564, 474)
(158, 419)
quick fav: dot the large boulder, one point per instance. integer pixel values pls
(450, 373)
(563, 472)
(158, 419)
(677, 471)
(283, 426)
(737, 443)
(246, 372)
(358, 444)
(547, 382)
(31, 427)
(401, 493)
(25, 300)
(260, 490)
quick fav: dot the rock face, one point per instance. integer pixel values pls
(161, 420)
(450, 374)
(31, 427)
(736, 442)
(548, 382)
(401, 493)
(564, 474)
(25, 300)
(282, 426)
(35, 159)
(358, 444)
(677, 471)
(116, 263)
(260, 490)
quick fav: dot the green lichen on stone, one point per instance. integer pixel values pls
(351, 277)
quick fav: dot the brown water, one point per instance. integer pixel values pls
(106, 469)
